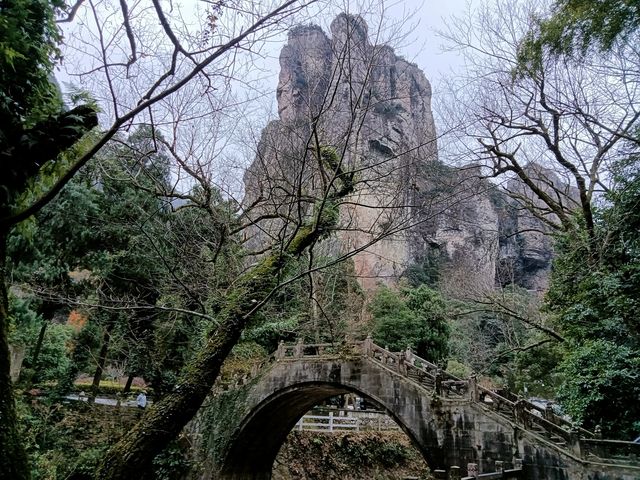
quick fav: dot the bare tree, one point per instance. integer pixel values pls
(555, 126)
(124, 46)
(331, 166)
(547, 133)
(317, 173)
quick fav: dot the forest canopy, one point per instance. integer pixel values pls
(126, 251)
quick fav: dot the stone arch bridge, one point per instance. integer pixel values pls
(452, 421)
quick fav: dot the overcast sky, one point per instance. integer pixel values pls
(417, 19)
(423, 45)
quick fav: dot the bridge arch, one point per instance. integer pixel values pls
(451, 421)
(265, 428)
(276, 401)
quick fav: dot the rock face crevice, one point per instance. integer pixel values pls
(373, 107)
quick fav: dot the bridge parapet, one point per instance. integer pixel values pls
(562, 433)
(565, 435)
(607, 450)
(447, 416)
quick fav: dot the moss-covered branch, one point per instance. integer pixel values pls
(131, 457)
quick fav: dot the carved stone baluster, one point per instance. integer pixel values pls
(402, 367)
(454, 473)
(574, 441)
(438, 386)
(518, 411)
(367, 346)
(472, 470)
(548, 413)
(409, 356)
(473, 388)
(598, 432)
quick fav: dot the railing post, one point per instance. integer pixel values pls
(598, 432)
(517, 463)
(401, 368)
(438, 385)
(367, 346)
(299, 348)
(574, 441)
(472, 470)
(520, 413)
(409, 356)
(331, 421)
(473, 388)
(499, 466)
(548, 413)
(280, 351)
(454, 473)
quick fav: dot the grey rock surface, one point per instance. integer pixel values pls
(374, 108)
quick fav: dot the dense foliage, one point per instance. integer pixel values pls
(413, 318)
(349, 456)
(576, 26)
(594, 293)
(28, 52)
(34, 130)
(142, 280)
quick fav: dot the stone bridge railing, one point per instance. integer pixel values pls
(566, 436)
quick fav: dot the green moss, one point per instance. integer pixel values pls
(222, 417)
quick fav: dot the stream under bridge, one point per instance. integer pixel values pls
(461, 428)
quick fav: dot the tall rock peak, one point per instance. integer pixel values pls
(369, 104)
(374, 107)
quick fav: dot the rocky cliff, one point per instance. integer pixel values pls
(374, 108)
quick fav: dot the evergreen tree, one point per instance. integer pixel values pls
(414, 317)
(595, 292)
(34, 130)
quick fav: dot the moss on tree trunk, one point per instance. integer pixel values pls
(132, 456)
(13, 459)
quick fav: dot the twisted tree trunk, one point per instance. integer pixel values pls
(23, 156)
(132, 456)
(13, 458)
